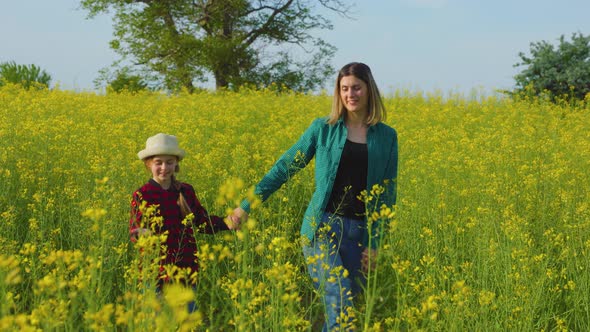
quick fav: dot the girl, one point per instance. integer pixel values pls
(179, 214)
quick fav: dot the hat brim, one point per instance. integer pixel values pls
(146, 153)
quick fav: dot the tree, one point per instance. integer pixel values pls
(25, 75)
(127, 82)
(121, 80)
(235, 41)
(564, 70)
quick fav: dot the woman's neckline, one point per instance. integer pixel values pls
(355, 142)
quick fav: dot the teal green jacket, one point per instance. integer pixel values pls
(326, 142)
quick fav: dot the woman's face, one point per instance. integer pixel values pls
(162, 168)
(354, 94)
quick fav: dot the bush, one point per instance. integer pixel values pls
(562, 71)
(26, 75)
(125, 81)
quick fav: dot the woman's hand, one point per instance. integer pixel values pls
(240, 214)
(232, 222)
(369, 260)
(235, 219)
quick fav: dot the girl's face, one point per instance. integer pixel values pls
(162, 168)
(354, 94)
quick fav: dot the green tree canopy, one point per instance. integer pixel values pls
(561, 70)
(181, 42)
(124, 81)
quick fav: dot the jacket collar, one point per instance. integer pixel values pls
(371, 128)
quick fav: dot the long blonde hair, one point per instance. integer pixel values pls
(376, 108)
(185, 209)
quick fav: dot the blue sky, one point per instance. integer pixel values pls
(420, 45)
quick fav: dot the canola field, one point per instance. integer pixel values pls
(491, 231)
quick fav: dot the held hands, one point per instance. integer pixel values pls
(236, 218)
(369, 260)
(232, 222)
(240, 214)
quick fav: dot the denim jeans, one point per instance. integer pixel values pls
(335, 248)
(190, 306)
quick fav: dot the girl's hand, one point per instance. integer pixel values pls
(136, 233)
(233, 222)
(369, 260)
(240, 214)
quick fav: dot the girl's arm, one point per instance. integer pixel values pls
(135, 229)
(203, 222)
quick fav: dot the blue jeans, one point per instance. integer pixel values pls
(190, 306)
(336, 247)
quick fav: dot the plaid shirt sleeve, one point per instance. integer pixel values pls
(203, 222)
(135, 218)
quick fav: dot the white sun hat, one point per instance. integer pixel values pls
(161, 144)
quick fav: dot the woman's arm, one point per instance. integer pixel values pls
(389, 195)
(391, 174)
(293, 160)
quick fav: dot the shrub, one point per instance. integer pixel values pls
(26, 75)
(560, 71)
(125, 81)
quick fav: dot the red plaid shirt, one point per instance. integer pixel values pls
(181, 248)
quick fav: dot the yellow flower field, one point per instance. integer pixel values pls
(491, 231)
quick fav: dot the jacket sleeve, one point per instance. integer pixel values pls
(293, 160)
(389, 196)
(391, 173)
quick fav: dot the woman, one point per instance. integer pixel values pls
(354, 151)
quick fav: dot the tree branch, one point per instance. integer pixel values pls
(254, 34)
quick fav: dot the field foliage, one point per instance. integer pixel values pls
(491, 231)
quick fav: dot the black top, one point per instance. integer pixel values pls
(351, 179)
